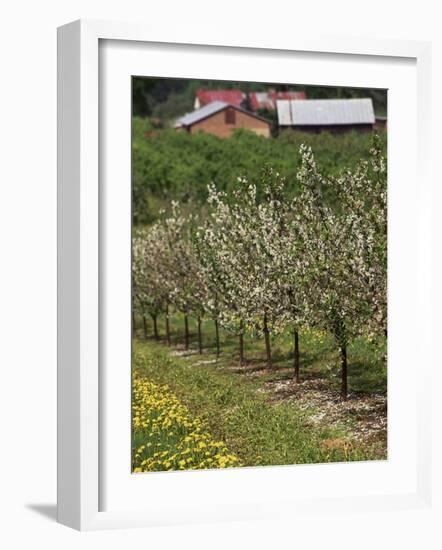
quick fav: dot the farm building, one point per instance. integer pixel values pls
(267, 100)
(221, 119)
(380, 123)
(204, 97)
(333, 115)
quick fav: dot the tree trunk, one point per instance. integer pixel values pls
(145, 326)
(267, 341)
(296, 356)
(241, 344)
(186, 331)
(155, 327)
(200, 339)
(217, 338)
(344, 386)
(167, 325)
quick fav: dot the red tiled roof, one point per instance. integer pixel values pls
(234, 97)
(287, 95)
(267, 100)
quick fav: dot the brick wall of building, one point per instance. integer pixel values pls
(220, 125)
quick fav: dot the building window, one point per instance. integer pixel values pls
(230, 117)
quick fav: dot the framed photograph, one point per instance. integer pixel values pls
(234, 297)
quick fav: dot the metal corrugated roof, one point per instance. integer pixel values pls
(287, 95)
(260, 100)
(211, 109)
(267, 100)
(199, 114)
(284, 112)
(324, 112)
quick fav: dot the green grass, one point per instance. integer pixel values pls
(227, 398)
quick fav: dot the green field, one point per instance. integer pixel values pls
(263, 417)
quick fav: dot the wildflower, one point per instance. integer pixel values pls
(157, 413)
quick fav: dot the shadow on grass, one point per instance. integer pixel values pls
(249, 367)
(318, 359)
(367, 380)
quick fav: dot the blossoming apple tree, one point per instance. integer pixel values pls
(264, 263)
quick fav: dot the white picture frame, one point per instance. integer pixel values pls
(80, 437)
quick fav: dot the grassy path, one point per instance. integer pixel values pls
(232, 409)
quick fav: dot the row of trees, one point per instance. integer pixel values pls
(269, 264)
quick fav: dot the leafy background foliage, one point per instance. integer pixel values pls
(175, 165)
